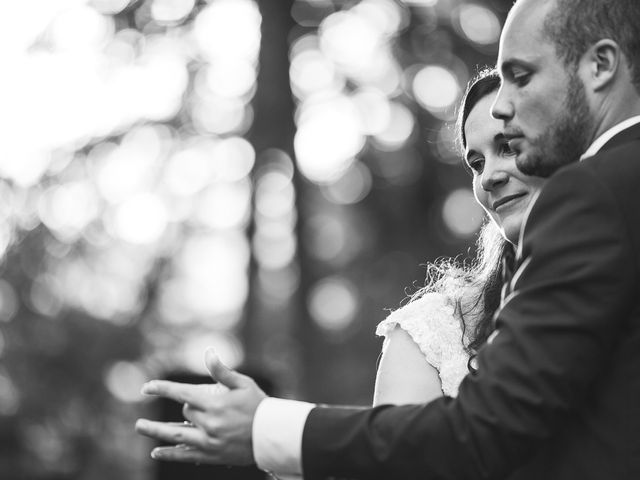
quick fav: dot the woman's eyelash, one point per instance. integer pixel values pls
(506, 149)
(476, 164)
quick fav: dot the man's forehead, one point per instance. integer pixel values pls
(522, 35)
(526, 9)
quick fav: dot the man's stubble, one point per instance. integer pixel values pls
(566, 138)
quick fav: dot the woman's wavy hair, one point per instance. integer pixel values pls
(475, 286)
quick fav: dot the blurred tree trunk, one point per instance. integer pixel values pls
(269, 330)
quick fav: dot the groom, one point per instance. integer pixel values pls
(557, 391)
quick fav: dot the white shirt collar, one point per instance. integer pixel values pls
(600, 142)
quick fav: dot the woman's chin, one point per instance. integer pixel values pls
(511, 230)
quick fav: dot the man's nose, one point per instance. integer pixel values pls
(502, 107)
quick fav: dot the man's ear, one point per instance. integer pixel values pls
(601, 63)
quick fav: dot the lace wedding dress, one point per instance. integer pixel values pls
(434, 324)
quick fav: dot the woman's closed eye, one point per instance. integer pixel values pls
(476, 164)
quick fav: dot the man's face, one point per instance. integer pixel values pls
(543, 105)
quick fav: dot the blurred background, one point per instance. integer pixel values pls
(267, 177)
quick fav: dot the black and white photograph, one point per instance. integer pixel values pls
(320, 240)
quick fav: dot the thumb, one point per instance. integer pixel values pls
(221, 373)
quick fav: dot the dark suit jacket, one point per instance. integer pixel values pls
(557, 392)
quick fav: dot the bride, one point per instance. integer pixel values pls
(430, 342)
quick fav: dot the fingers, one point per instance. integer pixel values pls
(195, 395)
(223, 374)
(204, 420)
(175, 433)
(190, 413)
(182, 453)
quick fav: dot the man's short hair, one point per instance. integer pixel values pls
(574, 25)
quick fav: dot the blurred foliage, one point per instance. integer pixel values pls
(58, 419)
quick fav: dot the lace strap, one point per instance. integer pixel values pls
(432, 323)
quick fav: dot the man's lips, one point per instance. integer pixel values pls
(512, 132)
(506, 199)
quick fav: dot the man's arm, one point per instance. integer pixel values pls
(555, 333)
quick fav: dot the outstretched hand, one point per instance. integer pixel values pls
(220, 417)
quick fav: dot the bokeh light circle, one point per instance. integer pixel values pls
(329, 137)
(333, 303)
(461, 213)
(479, 24)
(435, 88)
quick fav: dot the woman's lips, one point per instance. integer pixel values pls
(506, 199)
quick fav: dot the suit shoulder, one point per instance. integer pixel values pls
(608, 182)
(616, 166)
(616, 170)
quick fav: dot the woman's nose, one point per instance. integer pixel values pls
(493, 177)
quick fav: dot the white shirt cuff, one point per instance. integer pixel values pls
(277, 435)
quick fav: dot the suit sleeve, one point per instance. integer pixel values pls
(573, 294)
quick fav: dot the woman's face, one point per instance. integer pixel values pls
(502, 190)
